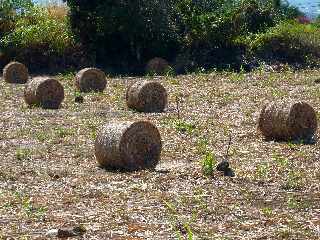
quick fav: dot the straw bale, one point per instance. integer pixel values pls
(90, 79)
(44, 92)
(157, 66)
(147, 96)
(288, 121)
(15, 72)
(128, 145)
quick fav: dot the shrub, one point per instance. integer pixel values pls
(211, 27)
(288, 42)
(209, 162)
(125, 34)
(42, 41)
(10, 11)
(195, 34)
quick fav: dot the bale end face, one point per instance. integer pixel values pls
(147, 96)
(288, 121)
(302, 121)
(128, 146)
(157, 66)
(47, 93)
(90, 79)
(15, 72)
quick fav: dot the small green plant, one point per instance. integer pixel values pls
(297, 203)
(173, 80)
(169, 72)
(262, 170)
(202, 145)
(23, 154)
(278, 93)
(281, 161)
(184, 127)
(67, 76)
(92, 126)
(29, 208)
(208, 164)
(292, 145)
(41, 136)
(237, 77)
(294, 180)
(292, 203)
(181, 228)
(267, 211)
(77, 94)
(284, 233)
(61, 132)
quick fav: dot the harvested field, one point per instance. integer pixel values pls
(50, 179)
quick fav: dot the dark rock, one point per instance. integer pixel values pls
(229, 172)
(317, 80)
(79, 99)
(66, 232)
(223, 166)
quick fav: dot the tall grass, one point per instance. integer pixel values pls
(56, 9)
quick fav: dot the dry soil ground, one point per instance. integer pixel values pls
(49, 178)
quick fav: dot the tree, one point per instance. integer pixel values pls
(125, 32)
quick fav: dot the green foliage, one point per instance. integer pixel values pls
(10, 11)
(124, 33)
(184, 127)
(39, 28)
(208, 164)
(23, 154)
(41, 41)
(288, 42)
(267, 211)
(192, 33)
(211, 27)
(294, 180)
(263, 171)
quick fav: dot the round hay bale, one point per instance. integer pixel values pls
(157, 66)
(44, 92)
(288, 121)
(90, 79)
(15, 72)
(128, 146)
(147, 96)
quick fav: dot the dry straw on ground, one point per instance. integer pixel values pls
(15, 72)
(45, 92)
(288, 121)
(90, 79)
(147, 96)
(128, 145)
(157, 66)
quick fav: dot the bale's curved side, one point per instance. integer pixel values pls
(15, 72)
(90, 79)
(128, 146)
(157, 66)
(147, 96)
(44, 92)
(287, 121)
